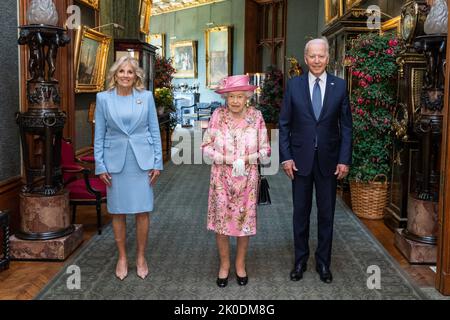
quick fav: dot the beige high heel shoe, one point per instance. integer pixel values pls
(142, 272)
(121, 275)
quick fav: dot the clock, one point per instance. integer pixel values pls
(408, 24)
(413, 17)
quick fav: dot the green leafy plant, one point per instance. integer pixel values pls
(164, 98)
(372, 62)
(271, 95)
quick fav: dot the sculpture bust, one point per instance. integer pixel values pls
(42, 12)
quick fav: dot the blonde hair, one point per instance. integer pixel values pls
(127, 59)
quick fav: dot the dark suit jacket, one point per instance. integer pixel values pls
(299, 127)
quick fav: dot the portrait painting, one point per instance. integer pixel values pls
(145, 9)
(333, 10)
(184, 55)
(218, 55)
(91, 51)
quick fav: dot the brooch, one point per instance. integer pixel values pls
(250, 120)
(139, 101)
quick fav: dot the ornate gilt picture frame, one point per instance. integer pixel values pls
(184, 55)
(91, 53)
(351, 3)
(94, 4)
(145, 10)
(218, 45)
(158, 40)
(333, 10)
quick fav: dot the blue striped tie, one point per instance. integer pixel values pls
(317, 99)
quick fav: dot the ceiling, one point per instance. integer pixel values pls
(164, 6)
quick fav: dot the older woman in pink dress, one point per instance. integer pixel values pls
(235, 141)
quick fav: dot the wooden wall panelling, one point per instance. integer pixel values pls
(443, 255)
(252, 61)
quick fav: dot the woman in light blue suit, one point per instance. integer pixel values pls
(128, 155)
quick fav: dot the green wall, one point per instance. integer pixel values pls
(190, 24)
(304, 18)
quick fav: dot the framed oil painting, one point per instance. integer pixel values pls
(145, 10)
(91, 53)
(90, 3)
(184, 55)
(159, 41)
(333, 10)
(218, 54)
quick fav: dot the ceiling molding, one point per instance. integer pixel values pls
(166, 6)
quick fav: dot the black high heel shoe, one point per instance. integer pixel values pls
(242, 281)
(222, 283)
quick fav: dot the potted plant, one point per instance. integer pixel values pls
(372, 62)
(271, 97)
(164, 97)
(164, 100)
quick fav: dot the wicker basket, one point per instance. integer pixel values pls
(369, 198)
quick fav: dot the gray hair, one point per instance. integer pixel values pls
(127, 59)
(321, 40)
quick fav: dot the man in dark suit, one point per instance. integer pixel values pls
(315, 149)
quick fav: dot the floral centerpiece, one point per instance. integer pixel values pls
(372, 63)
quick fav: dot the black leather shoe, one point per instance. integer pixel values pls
(297, 273)
(324, 273)
(242, 281)
(222, 283)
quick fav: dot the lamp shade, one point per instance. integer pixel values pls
(42, 12)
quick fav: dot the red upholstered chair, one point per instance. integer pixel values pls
(82, 191)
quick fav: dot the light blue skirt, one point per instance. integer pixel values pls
(130, 192)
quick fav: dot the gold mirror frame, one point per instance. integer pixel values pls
(191, 55)
(94, 4)
(99, 58)
(215, 70)
(329, 16)
(145, 10)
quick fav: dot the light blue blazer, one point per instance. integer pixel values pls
(112, 138)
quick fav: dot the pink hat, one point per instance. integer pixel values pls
(235, 83)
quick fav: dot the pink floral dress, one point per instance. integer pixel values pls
(233, 199)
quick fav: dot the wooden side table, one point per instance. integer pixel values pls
(4, 227)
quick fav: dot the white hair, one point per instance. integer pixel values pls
(322, 40)
(248, 94)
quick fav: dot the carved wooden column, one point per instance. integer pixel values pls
(418, 240)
